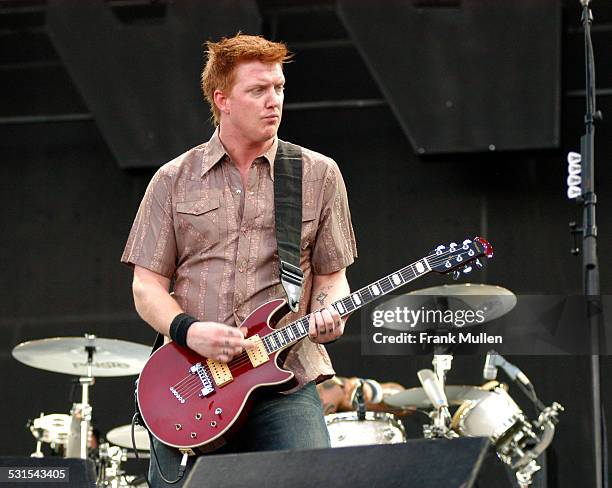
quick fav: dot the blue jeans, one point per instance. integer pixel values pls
(275, 422)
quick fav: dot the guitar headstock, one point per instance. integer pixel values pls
(459, 258)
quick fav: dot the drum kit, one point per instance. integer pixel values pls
(72, 436)
(480, 411)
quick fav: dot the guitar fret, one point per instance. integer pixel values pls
(300, 327)
(386, 285)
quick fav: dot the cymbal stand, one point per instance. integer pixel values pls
(441, 364)
(39, 433)
(86, 408)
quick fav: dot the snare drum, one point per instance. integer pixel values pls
(345, 429)
(492, 415)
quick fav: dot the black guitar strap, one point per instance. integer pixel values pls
(288, 219)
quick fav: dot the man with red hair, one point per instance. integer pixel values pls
(204, 251)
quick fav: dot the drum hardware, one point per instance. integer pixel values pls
(87, 357)
(110, 473)
(531, 438)
(52, 429)
(358, 400)
(440, 414)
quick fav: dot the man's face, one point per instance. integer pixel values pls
(254, 105)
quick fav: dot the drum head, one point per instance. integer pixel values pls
(346, 429)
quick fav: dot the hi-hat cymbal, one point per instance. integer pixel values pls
(122, 437)
(68, 355)
(416, 397)
(491, 301)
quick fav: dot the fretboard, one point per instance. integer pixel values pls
(295, 331)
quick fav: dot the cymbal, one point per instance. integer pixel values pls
(111, 357)
(122, 437)
(416, 397)
(491, 301)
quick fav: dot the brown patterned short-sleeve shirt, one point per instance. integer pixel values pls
(198, 225)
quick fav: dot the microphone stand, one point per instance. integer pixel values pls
(590, 263)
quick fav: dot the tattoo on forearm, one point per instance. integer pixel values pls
(323, 295)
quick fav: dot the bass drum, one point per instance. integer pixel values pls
(346, 429)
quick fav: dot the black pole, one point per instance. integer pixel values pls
(590, 264)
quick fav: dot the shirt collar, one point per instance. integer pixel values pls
(215, 152)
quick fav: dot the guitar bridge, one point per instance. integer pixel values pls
(207, 386)
(257, 351)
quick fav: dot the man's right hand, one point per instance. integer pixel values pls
(216, 341)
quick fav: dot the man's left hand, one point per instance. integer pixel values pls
(325, 325)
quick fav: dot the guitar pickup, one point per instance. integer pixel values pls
(220, 372)
(257, 351)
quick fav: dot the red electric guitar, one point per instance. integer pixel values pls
(190, 402)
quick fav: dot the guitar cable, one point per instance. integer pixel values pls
(137, 420)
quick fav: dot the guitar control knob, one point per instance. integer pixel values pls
(218, 411)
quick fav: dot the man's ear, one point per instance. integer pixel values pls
(221, 101)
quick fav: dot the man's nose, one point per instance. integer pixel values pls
(274, 99)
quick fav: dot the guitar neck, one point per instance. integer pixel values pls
(296, 331)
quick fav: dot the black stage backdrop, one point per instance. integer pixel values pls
(68, 207)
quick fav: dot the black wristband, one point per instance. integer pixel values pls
(179, 327)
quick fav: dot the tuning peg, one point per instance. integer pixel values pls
(478, 263)
(440, 249)
(466, 243)
(467, 269)
(452, 246)
(456, 275)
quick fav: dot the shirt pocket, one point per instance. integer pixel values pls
(309, 223)
(200, 220)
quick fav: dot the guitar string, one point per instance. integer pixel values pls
(189, 388)
(434, 259)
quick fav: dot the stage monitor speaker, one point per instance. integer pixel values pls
(48, 472)
(417, 463)
(140, 77)
(468, 75)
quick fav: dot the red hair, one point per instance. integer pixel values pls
(225, 55)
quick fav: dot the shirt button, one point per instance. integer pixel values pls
(238, 191)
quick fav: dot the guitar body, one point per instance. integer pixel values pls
(204, 422)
